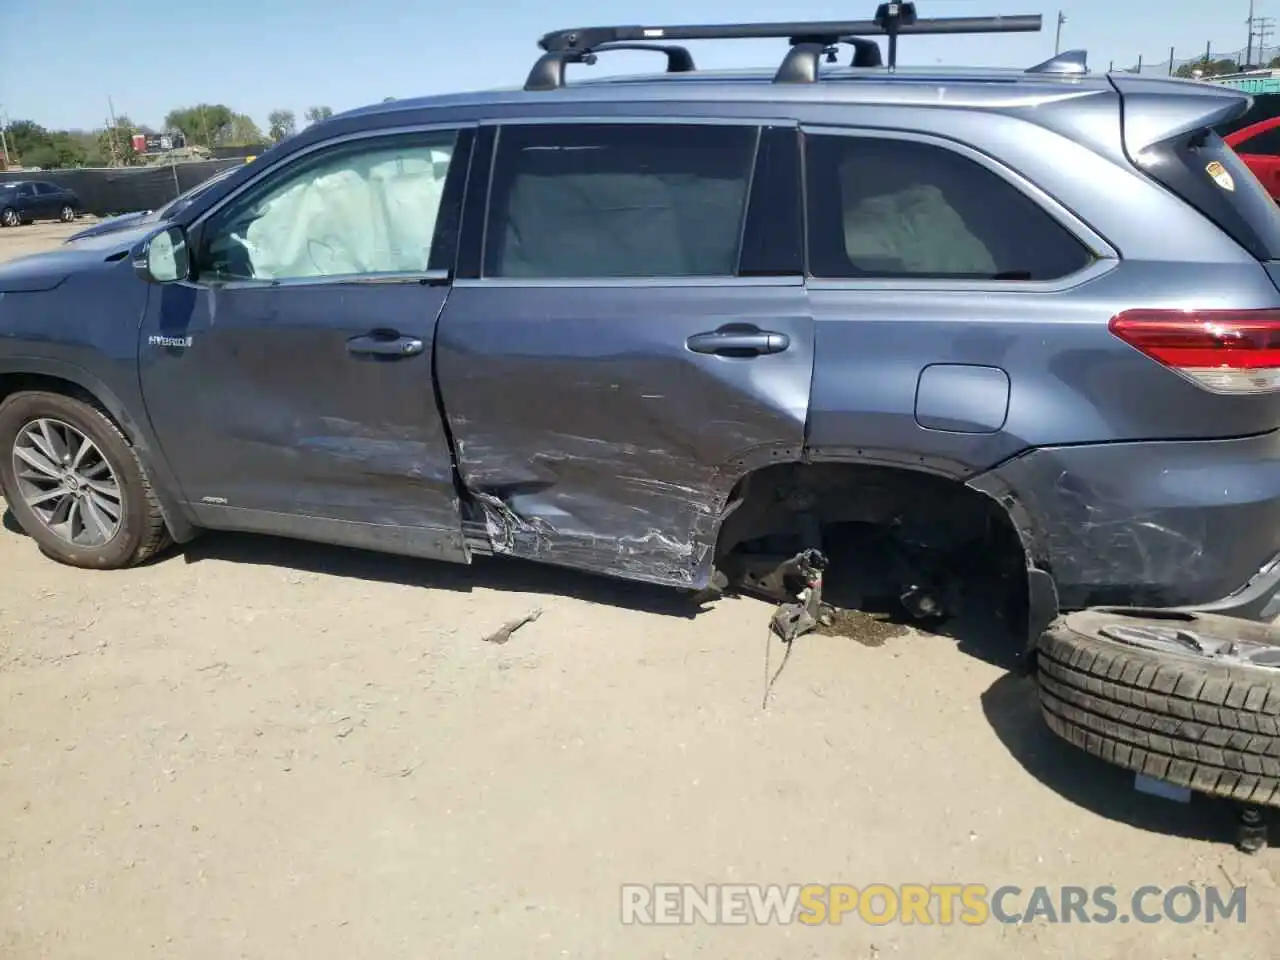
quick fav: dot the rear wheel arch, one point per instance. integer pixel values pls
(773, 496)
(71, 381)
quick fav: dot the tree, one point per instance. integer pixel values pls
(33, 146)
(1205, 69)
(281, 124)
(243, 131)
(205, 123)
(115, 144)
(316, 114)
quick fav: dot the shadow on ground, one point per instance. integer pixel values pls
(491, 573)
(985, 602)
(1012, 707)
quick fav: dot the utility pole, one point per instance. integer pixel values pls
(111, 134)
(1248, 57)
(4, 142)
(1171, 51)
(1263, 27)
(1057, 41)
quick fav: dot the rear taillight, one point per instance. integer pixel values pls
(1225, 351)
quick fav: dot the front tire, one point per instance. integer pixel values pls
(9, 217)
(67, 213)
(75, 484)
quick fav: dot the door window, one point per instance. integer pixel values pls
(882, 207)
(26, 190)
(366, 208)
(613, 200)
(46, 189)
(1266, 144)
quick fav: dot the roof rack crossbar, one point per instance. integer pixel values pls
(810, 40)
(548, 72)
(589, 38)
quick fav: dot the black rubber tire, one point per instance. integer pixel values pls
(142, 532)
(67, 214)
(1184, 718)
(4, 217)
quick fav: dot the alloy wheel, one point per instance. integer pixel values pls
(67, 482)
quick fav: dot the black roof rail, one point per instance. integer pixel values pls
(548, 72)
(810, 40)
(1068, 63)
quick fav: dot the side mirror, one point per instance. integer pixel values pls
(164, 258)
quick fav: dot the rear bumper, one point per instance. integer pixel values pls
(1192, 524)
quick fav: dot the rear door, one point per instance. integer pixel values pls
(635, 337)
(290, 383)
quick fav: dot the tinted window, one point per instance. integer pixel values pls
(1266, 143)
(618, 201)
(26, 190)
(1238, 204)
(899, 208)
(367, 208)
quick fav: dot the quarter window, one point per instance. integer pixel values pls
(363, 209)
(605, 200)
(882, 208)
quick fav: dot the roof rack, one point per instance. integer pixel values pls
(810, 41)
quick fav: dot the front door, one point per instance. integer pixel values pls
(290, 382)
(638, 338)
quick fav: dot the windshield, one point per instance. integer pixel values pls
(182, 199)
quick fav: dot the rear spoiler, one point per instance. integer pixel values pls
(1159, 109)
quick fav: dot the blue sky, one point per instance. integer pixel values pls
(60, 60)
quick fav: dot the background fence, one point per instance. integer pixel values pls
(108, 191)
(1163, 65)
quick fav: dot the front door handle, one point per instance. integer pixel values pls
(739, 340)
(375, 345)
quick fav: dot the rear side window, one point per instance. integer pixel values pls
(46, 188)
(1206, 173)
(612, 200)
(882, 208)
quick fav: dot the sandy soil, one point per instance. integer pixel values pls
(256, 748)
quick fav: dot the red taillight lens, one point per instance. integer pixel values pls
(1225, 351)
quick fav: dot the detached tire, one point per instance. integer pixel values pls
(1191, 699)
(75, 484)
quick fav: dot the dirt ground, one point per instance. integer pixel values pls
(257, 748)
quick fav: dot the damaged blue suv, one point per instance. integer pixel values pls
(675, 328)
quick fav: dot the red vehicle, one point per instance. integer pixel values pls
(1259, 147)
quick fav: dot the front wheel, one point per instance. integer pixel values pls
(74, 483)
(67, 214)
(9, 217)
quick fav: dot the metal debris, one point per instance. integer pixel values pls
(503, 634)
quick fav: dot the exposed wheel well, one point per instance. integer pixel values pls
(931, 533)
(11, 383)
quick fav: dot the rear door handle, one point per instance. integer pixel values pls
(375, 345)
(738, 340)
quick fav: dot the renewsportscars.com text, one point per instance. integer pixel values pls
(967, 904)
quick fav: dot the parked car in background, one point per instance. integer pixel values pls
(22, 201)
(1259, 147)
(126, 220)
